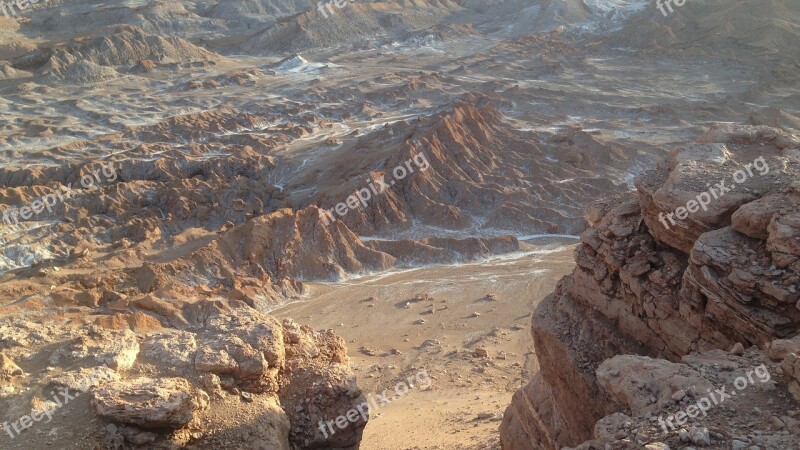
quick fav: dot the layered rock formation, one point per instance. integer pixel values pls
(724, 269)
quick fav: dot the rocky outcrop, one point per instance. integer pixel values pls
(667, 270)
(711, 399)
(180, 388)
(635, 381)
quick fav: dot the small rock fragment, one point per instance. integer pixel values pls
(8, 368)
(737, 349)
(656, 446)
(699, 436)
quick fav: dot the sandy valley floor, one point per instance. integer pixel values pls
(468, 393)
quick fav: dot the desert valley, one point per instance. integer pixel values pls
(400, 225)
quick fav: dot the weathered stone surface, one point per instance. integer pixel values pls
(745, 298)
(247, 346)
(664, 190)
(753, 218)
(608, 427)
(277, 382)
(783, 244)
(791, 366)
(750, 134)
(568, 343)
(116, 349)
(693, 169)
(86, 379)
(633, 381)
(318, 385)
(526, 421)
(8, 369)
(173, 347)
(779, 349)
(150, 403)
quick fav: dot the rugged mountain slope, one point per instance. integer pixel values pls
(727, 275)
(769, 27)
(483, 175)
(331, 25)
(474, 174)
(115, 46)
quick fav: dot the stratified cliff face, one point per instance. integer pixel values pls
(652, 285)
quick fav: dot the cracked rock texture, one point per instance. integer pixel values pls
(233, 378)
